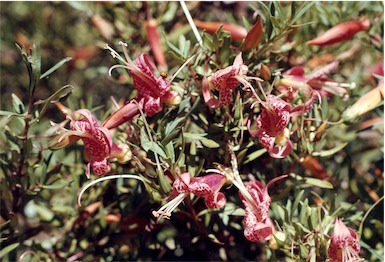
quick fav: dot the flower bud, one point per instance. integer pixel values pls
(265, 72)
(105, 28)
(320, 131)
(61, 141)
(237, 32)
(366, 103)
(254, 36)
(124, 155)
(63, 109)
(154, 41)
(316, 169)
(273, 240)
(340, 33)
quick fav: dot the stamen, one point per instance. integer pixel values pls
(116, 66)
(213, 170)
(166, 210)
(124, 48)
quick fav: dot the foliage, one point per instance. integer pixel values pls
(334, 170)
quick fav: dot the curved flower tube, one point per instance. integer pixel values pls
(344, 244)
(224, 81)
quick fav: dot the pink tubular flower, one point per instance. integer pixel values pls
(340, 32)
(295, 79)
(272, 123)
(207, 187)
(224, 81)
(153, 91)
(259, 226)
(344, 244)
(98, 143)
(272, 132)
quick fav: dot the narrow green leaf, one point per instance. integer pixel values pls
(318, 183)
(194, 136)
(55, 67)
(293, 9)
(35, 61)
(61, 93)
(144, 140)
(268, 24)
(330, 152)
(5, 250)
(303, 214)
(296, 203)
(57, 185)
(173, 48)
(303, 9)
(157, 149)
(275, 22)
(171, 126)
(17, 104)
(210, 143)
(170, 152)
(255, 155)
(281, 14)
(314, 218)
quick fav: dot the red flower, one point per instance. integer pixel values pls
(207, 187)
(272, 132)
(98, 143)
(272, 122)
(344, 244)
(259, 226)
(224, 81)
(153, 91)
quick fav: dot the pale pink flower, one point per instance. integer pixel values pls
(153, 91)
(224, 81)
(344, 244)
(259, 226)
(97, 139)
(295, 79)
(206, 186)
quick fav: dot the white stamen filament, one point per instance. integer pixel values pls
(349, 254)
(128, 64)
(166, 210)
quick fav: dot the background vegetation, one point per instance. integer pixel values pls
(40, 219)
